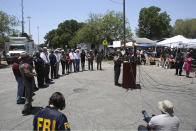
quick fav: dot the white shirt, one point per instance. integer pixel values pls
(57, 57)
(77, 55)
(123, 52)
(45, 58)
(164, 122)
(72, 55)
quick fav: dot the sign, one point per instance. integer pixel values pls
(116, 44)
(105, 42)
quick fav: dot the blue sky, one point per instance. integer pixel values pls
(47, 14)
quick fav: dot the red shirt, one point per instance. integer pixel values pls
(67, 58)
(15, 69)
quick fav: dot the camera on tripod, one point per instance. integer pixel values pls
(146, 116)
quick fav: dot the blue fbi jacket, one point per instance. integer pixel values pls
(50, 119)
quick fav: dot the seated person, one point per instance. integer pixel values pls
(50, 118)
(167, 121)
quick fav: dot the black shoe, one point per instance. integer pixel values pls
(22, 101)
(118, 84)
(43, 86)
(27, 109)
(36, 89)
(33, 94)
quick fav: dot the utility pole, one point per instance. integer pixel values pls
(22, 17)
(29, 18)
(38, 35)
(124, 24)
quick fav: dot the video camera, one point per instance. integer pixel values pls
(146, 116)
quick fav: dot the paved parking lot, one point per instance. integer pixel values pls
(94, 103)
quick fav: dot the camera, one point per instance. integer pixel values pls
(146, 116)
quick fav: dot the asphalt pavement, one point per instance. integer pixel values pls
(94, 103)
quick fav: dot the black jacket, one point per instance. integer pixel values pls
(52, 58)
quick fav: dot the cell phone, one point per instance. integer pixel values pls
(146, 116)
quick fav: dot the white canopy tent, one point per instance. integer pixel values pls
(143, 40)
(176, 41)
(192, 43)
(131, 44)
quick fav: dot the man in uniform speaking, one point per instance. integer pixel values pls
(117, 65)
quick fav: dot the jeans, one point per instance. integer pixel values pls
(20, 88)
(70, 66)
(63, 67)
(77, 65)
(67, 67)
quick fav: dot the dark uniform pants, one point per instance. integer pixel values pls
(28, 83)
(90, 65)
(46, 73)
(40, 77)
(63, 67)
(179, 68)
(83, 65)
(53, 71)
(99, 65)
(116, 74)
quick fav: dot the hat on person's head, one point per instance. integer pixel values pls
(62, 51)
(166, 106)
(44, 48)
(77, 50)
(56, 50)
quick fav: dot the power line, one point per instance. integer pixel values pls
(113, 1)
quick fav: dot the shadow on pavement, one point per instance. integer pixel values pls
(142, 128)
(35, 110)
(3, 66)
(137, 86)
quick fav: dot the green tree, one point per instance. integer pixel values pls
(7, 24)
(100, 27)
(63, 34)
(186, 28)
(153, 24)
(112, 27)
(49, 37)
